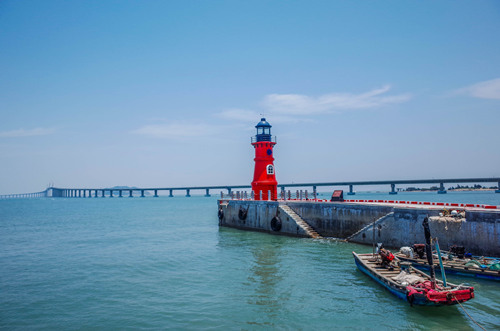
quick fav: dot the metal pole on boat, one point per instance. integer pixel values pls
(440, 262)
(428, 250)
(373, 238)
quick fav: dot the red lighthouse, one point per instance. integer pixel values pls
(264, 179)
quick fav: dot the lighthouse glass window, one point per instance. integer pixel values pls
(270, 169)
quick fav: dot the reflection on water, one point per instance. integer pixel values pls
(265, 278)
(265, 275)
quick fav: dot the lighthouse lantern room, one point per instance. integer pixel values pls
(264, 184)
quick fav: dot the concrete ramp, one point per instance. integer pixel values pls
(300, 222)
(369, 229)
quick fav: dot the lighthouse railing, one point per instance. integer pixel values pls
(263, 138)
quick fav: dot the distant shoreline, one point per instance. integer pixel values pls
(451, 189)
(472, 189)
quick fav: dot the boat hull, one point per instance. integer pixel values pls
(454, 270)
(401, 292)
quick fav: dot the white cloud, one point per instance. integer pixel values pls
(489, 89)
(252, 116)
(239, 115)
(298, 104)
(175, 130)
(26, 133)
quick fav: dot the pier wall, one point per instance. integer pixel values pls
(479, 231)
(338, 220)
(259, 215)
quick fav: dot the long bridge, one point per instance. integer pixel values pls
(57, 192)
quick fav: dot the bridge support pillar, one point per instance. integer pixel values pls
(187, 193)
(103, 194)
(315, 192)
(393, 189)
(130, 194)
(170, 195)
(351, 191)
(111, 193)
(95, 194)
(156, 194)
(120, 194)
(498, 188)
(441, 189)
(142, 194)
(207, 192)
(228, 191)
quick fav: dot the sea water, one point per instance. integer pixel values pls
(164, 263)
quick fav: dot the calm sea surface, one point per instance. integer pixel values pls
(163, 263)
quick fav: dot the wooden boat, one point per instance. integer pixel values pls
(412, 285)
(455, 266)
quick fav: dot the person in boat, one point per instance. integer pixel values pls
(419, 250)
(386, 256)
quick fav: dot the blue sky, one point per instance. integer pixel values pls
(167, 93)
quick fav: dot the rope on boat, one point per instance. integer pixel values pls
(468, 314)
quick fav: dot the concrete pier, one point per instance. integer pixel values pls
(398, 224)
